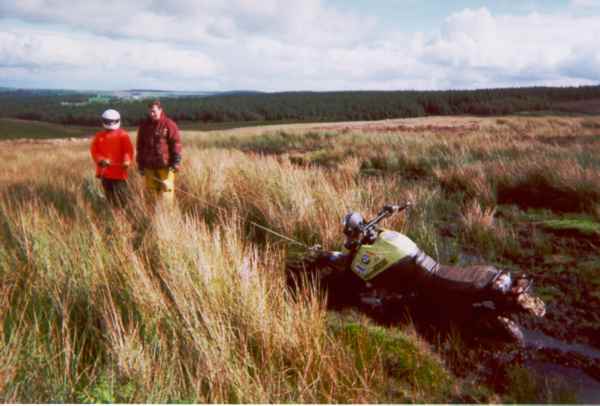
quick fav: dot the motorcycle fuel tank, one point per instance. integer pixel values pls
(389, 248)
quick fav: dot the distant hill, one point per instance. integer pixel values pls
(42, 92)
(129, 93)
(150, 93)
(240, 92)
(81, 108)
(11, 129)
(589, 106)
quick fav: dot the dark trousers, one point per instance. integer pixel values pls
(115, 191)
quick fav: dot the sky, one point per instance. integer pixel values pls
(319, 45)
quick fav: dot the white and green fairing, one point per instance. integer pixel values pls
(389, 248)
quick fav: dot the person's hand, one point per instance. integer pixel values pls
(104, 163)
(126, 164)
(164, 186)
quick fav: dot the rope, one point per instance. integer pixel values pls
(103, 169)
(279, 235)
(220, 208)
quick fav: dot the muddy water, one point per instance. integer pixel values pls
(538, 340)
(586, 388)
(574, 367)
(574, 378)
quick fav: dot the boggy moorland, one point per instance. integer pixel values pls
(190, 304)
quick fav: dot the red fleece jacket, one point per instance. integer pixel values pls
(115, 146)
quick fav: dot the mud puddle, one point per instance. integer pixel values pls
(565, 364)
(538, 340)
(557, 365)
(561, 355)
(585, 388)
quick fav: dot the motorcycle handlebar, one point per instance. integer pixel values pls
(387, 211)
(394, 208)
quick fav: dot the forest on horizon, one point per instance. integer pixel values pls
(74, 108)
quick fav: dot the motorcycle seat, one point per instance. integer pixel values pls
(477, 277)
(452, 278)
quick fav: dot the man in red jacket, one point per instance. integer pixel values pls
(159, 152)
(112, 151)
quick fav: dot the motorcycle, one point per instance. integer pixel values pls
(384, 271)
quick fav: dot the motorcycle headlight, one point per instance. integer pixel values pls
(503, 282)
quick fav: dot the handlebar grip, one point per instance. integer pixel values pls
(394, 208)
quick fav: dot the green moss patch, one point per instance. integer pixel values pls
(408, 363)
(576, 227)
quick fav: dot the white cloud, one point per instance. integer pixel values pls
(191, 21)
(274, 45)
(536, 47)
(585, 3)
(52, 53)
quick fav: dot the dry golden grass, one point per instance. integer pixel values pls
(157, 306)
(190, 304)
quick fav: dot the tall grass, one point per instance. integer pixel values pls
(190, 304)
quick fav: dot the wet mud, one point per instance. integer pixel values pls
(563, 359)
(562, 348)
(559, 358)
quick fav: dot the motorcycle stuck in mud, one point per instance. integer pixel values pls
(383, 271)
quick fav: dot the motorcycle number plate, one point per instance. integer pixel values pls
(360, 269)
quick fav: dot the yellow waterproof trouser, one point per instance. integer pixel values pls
(161, 183)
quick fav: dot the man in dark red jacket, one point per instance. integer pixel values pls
(159, 152)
